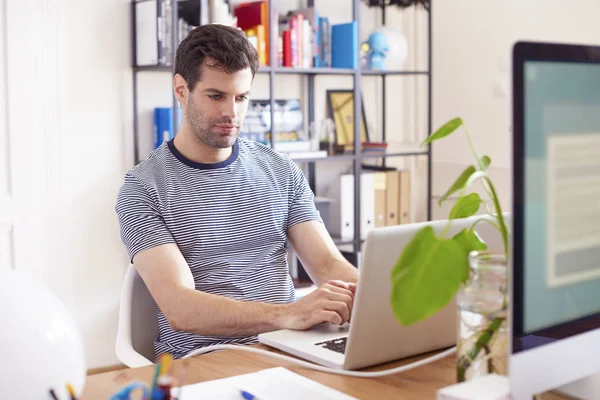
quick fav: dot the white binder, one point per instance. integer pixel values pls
(342, 210)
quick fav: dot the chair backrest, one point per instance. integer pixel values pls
(138, 324)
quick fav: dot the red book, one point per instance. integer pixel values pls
(287, 48)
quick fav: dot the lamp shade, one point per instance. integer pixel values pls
(42, 349)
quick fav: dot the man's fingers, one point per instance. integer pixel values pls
(351, 286)
(338, 289)
(340, 305)
(331, 316)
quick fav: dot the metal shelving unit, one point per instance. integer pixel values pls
(357, 157)
(310, 73)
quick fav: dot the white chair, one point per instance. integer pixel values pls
(138, 324)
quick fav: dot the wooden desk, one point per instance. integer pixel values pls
(419, 383)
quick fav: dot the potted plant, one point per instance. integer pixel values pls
(472, 274)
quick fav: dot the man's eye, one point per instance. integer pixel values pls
(215, 96)
(243, 98)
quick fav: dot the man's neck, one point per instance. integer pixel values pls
(192, 148)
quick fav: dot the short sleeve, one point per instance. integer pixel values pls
(302, 205)
(141, 223)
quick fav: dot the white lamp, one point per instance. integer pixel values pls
(41, 346)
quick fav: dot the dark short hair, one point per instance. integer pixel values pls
(216, 46)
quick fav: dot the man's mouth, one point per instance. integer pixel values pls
(226, 128)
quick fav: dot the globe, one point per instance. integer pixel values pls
(42, 349)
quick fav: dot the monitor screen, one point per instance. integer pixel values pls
(557, 219)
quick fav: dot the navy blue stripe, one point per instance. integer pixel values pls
(197, 165)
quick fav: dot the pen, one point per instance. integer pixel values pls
(154, 377)
(53, 394)
(249, 396)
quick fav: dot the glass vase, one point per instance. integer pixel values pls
(482, 346)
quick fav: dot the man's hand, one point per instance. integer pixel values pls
(345, 285)
(331, 302)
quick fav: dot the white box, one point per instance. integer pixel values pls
(487, 387)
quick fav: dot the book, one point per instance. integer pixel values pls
(344, 45)
(288, 117)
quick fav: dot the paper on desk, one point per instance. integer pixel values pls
(268, 384)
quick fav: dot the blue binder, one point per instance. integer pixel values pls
(163, 124)
(344, 45)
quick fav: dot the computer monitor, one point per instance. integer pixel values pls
(555, 276)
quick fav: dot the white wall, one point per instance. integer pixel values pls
(472, 44)
(70, 127)
(6, 260)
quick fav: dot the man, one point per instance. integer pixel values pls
(206, 217)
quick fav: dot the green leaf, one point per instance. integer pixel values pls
(458, 184)
(466, 206)
(484, 162)
(426, 276)
(445, 130)
(470, 241)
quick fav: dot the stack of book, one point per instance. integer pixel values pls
(303, 38)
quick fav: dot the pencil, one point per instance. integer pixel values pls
(165, 363)
(71, 391)
(53, 394)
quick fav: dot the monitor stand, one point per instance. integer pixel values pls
(585, 389)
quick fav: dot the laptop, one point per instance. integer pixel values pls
(374, 335)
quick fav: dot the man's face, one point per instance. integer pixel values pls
(216, 108)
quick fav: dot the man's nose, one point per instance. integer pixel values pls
(229, 109)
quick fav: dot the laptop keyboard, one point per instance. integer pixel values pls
(338, 344)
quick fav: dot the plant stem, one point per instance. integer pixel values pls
(483, 340)
(499, 216)
(470, 142)
(479, 163)
(485, 220)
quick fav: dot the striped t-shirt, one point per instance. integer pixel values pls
(229, 219)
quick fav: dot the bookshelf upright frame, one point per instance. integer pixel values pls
(358, 156)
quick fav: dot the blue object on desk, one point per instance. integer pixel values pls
(124, 393)
(248, 396)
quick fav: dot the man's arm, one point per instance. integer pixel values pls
(319, 254)
(171, 284)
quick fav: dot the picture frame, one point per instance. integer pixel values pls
(340, 106)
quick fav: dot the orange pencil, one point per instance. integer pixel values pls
(71, 391)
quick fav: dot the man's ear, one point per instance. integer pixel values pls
(180, 88)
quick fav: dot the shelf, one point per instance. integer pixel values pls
(347, 157)
(341, 242)
(381, 73)
(154, 68)
(335, 157)
(307, 71)
(297, 71)
(334, 71)
(397, 154)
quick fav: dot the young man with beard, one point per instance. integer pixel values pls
(206, 217)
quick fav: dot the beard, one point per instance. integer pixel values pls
(206, 129)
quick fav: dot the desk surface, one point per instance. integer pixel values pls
(419, 383)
